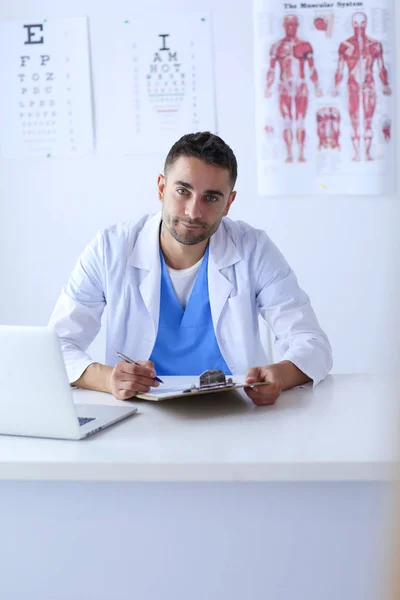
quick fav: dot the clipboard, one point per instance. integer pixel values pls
(209, 382)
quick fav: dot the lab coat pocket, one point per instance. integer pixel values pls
(240, 335)
(238, 319)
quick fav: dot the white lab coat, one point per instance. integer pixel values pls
(247, 276)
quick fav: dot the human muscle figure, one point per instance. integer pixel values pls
(386, 129)
(292, 54)
(359, 53)
(335, 128)
(328, 127)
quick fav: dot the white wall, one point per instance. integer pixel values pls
(342, 249)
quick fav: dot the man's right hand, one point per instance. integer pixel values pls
(125, 380)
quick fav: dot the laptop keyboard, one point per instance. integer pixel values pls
(84, 420)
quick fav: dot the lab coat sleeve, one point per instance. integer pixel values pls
(288, 311)
(77, 314)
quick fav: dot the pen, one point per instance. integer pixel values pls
(129, 360)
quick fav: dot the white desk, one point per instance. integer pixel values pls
(204, 498)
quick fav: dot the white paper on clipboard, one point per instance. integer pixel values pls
(174, 387)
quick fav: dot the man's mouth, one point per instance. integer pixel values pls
(191, 227)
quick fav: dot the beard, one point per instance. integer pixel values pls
(187, 237)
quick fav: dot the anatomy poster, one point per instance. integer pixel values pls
(45, 102)
(324, 75)
(164, 85)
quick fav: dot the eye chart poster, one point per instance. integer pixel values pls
(164, 80)
(45, 92)
(325, 83)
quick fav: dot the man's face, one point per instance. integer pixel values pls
(195, 197)
(359, 23)
(291, 24)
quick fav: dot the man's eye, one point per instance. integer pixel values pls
(211, 198)
(181, 191)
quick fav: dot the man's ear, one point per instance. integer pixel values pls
(161, 186)
(231, 199)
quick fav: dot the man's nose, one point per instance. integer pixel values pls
(193, 208)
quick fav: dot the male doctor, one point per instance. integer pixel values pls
(184, 289)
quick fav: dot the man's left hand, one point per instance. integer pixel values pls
(264, 395)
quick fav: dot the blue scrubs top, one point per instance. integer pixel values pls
(186, 342)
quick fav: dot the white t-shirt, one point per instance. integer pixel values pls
(183, 281)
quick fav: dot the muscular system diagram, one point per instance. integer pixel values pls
(292, 55)
(359, 53)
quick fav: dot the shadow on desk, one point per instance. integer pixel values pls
(210, 406)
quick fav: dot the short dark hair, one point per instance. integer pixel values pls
(206, 146)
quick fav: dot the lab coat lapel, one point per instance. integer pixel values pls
(223, 254)
(146, 257)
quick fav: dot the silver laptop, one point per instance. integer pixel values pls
(35, 396)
